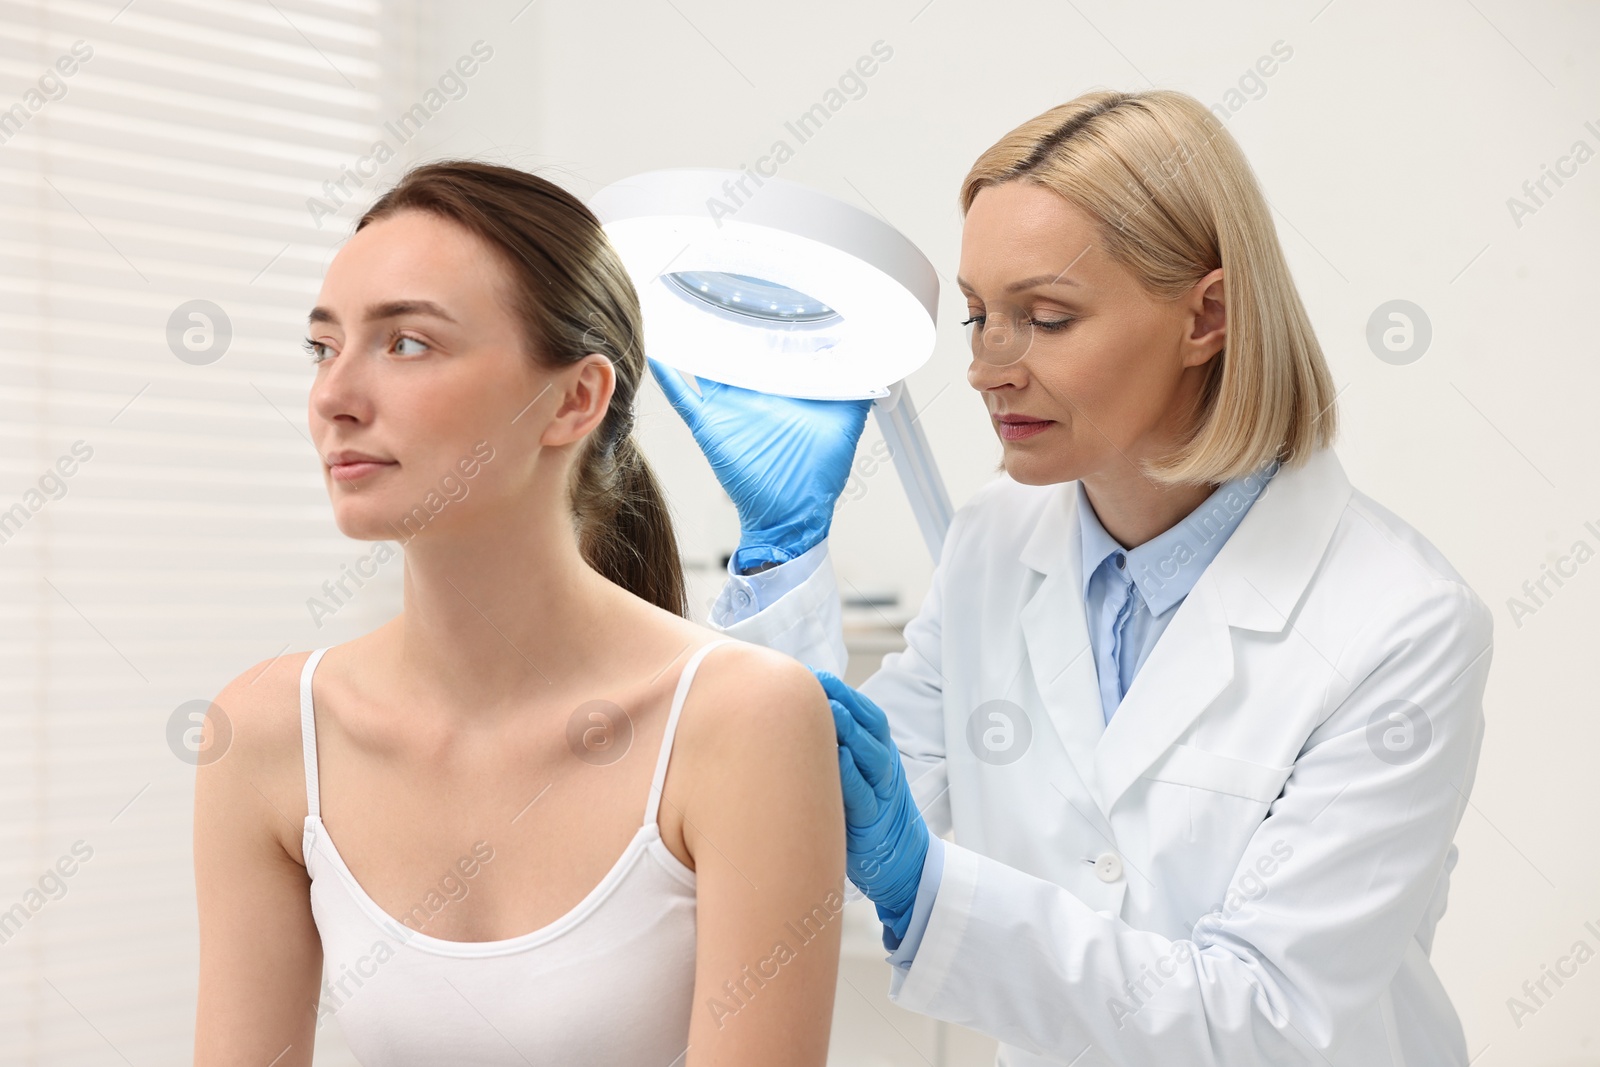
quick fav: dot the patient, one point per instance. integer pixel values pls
(539, 816)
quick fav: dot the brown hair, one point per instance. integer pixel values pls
(1175, 199)
(574, 297)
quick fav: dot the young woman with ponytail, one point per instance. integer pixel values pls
(482, 760)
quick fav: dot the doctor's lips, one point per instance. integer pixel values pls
(1016, 427)
(350, 466)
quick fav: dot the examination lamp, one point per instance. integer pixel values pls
(787, 291)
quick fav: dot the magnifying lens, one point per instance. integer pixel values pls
(788, 291)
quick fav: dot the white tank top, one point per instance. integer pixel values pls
(610, 982)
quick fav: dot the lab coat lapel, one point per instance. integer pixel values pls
(1256, 582)
(1056, 633)
(1191, 663)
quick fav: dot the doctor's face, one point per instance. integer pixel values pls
(1085, 374)
(423, 405)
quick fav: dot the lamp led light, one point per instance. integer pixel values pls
(740, 294)
(797, 293)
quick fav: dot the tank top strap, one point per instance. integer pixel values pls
(308, 732)
(684, 679)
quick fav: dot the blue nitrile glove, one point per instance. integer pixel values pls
(886, 838)
(783, 461)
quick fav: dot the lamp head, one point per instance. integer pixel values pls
(793, 292)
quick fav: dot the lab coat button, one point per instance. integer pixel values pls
(1108, 866)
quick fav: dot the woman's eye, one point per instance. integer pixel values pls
(401, 341)
(315, 349)
(975, 319)
(1050, 324)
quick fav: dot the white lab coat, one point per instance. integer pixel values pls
(1230, 872)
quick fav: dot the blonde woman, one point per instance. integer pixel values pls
(539, 816)
(1202, 717)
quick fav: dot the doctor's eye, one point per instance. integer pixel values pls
(315, 349)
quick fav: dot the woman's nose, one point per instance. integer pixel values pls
(340, 389)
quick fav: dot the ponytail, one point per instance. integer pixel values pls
(624, 526)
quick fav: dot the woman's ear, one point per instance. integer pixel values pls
(1208, 318)
(586, 388)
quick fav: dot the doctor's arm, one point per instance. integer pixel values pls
(783, 462)
(893, 770)
(1349, 857)
(792, 607)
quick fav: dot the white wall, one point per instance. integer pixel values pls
(1389, 143)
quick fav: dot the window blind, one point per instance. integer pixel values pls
(163, 523)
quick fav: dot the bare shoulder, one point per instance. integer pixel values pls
(744, 694)
(756, 762)
(755, 727)
(251, 761)
(262, 709)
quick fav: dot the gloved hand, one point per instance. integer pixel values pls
(886, 838)
(783, 461)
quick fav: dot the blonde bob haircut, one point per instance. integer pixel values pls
(1175, 199)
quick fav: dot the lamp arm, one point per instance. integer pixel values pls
(913, 461)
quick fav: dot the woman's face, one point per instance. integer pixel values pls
(1066, 337)
(427, 410)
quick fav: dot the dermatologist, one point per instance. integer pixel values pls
(1201, 718)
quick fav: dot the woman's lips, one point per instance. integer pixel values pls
(1016, 431)
(350, 472)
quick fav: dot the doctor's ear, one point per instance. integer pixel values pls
(1208, 313)
(583, 391)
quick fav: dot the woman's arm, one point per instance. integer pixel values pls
(764, 822)
(260, 955)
